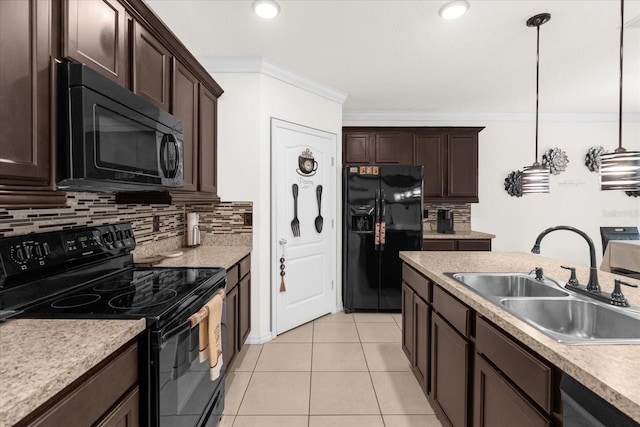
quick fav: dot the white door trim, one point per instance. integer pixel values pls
(331, 222)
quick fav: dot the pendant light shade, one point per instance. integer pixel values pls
(620, 170)
(535, 178)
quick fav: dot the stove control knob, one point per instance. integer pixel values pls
(107, 238)
(20, 254)
(38, 251)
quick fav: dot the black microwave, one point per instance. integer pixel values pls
(112, 140)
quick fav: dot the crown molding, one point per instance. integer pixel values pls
(457, 118)
(239, 64)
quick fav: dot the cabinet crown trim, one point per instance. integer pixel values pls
(423, 118)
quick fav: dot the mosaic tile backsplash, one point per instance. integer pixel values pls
(86, 209)
(461, 215)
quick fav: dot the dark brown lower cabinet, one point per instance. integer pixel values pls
(420, 362)
(497, 403)
(456, 245)
(232, 326)
(245, 310)
(450, 354)
(407, 321)
(105, 396)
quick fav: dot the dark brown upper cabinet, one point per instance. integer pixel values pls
(151, 67)
(208, 141)
(185, 107)
(379, 148)
(96, 34)
(462, 166)
(26, 173)
(356, 148)
(430, 153)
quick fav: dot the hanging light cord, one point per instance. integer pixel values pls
(620, 149)
(537, 82)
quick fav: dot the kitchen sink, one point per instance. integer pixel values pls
(576, 321)
(563, 315)
(510, 285)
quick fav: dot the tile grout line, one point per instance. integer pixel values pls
(313, 333)
(364, 354)
(248, 384)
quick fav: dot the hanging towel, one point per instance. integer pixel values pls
(210, 336)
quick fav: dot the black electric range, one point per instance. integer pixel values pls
(88, 273)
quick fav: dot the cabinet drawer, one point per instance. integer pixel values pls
(232, 277)
(439, 245)
(452, 310)
(474, 245)
(526, 371)
(245, 266)
(420, 284)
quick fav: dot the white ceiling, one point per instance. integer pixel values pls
(400, 56)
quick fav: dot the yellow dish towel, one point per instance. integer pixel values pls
(210, 336)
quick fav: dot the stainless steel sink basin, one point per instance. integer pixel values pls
(576, 321)
(510, 285)
(565, 316)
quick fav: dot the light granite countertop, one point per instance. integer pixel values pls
(462, 234)
(611, 371)
(201, 256)
(40, 357)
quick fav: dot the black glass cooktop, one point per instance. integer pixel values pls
(154, 293)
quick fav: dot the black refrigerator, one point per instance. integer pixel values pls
(382, 215)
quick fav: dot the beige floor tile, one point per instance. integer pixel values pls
(338, 357)
(373, 317)
(345, 421)
(342, 393)
(385, 357)
(277, 393)
(271, 421)
(303, 333)
(411, 421)
(285, 357)
(226, 421)
(379, 332)
(235, 386)
(335, 332)
(246, 360)
(340, 316)
(399, 393)
(398, 318)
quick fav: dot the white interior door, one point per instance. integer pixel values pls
(305, 158)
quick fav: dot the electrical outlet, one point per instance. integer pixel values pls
(425, 213)
(156, 223)
(247, 219)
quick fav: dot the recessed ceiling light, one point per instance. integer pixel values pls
(266, 9)
(454, 9)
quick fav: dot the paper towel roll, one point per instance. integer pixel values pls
(193, 229)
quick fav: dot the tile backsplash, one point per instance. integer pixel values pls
(461, 215)
(86, 209)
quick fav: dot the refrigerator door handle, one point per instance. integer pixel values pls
(383, 223)
(376, 214)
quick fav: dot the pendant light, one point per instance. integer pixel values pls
(620, 170)
(535, 178)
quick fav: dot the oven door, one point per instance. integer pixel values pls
(181, 391)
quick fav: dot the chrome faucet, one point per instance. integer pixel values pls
(593, 286)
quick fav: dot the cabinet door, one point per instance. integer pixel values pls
(497, 403)
(244, 310)
(151, 67)
(439, 245)
(462, 165)
(407, 321)
(126, 413)
(430, 153)
(450, 354)
(96, 35)
(421, 327)
(185, 107)
(394, 148)
(232, 326)
(208, 141)
(25, 110)
(357, 148)
(474, 245)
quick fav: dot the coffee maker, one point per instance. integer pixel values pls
(445, 221)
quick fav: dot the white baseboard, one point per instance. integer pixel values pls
(259, 339)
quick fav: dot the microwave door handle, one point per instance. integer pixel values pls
(163, 156)
(176, 166)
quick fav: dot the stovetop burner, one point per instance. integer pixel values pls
(75, 301)
(133, 300)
